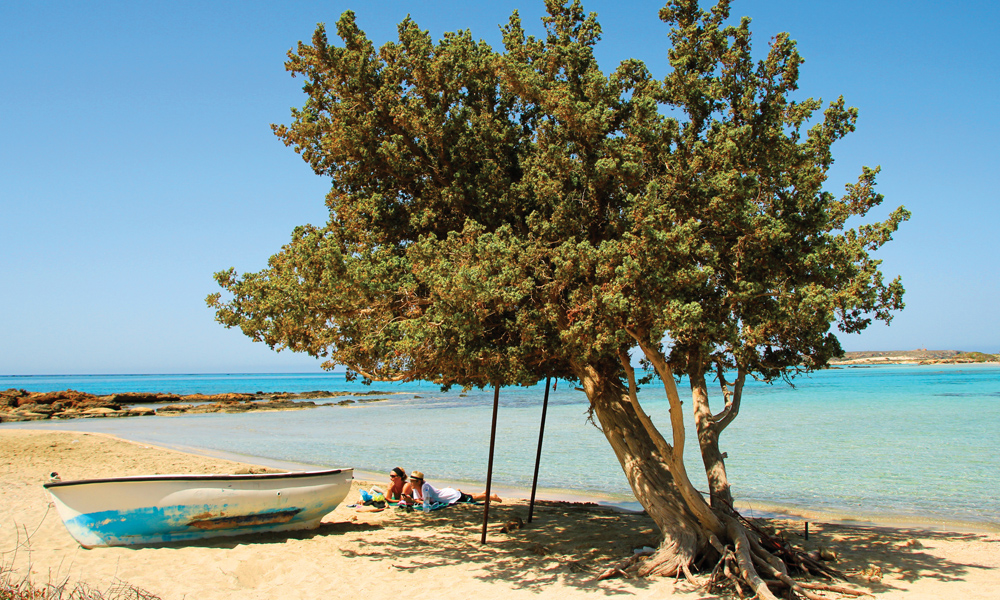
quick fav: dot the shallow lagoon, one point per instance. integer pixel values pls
(905, 443)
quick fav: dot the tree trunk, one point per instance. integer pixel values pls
(652, 483)
(708, 440)
(657, 488)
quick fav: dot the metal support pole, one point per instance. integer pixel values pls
(538, 456)
(489, 467)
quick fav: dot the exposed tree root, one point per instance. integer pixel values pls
(744, 560)
(689, 576)
(753, 565)
(619, 569)
(808, 585)
(665, 561)
(781, 550)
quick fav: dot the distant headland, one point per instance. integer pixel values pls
(921, 357)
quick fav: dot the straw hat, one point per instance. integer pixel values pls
(417, 475)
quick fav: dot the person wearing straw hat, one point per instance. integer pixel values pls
(418, 490)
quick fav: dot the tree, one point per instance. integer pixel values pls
(499, 217)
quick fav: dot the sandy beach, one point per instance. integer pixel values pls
(357, 552)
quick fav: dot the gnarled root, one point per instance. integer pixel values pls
(779, 550)
(837, 589)
(668, 560)
(619, 569)
(751, 565)
(744, 559)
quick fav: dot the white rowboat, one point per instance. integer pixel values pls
(154, 509)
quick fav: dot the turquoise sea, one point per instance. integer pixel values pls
(898, 443)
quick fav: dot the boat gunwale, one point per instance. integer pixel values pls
(203, 477)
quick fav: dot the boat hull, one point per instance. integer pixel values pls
(158, 509)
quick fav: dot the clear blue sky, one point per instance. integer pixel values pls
(136, 159)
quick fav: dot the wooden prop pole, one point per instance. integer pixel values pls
(538, 455)
(489, 467)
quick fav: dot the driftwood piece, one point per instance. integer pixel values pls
(618, 570)
(823, 587)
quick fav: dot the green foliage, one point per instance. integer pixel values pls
(496, 217)
(976, 357)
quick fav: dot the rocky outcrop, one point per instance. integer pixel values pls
(22, 405)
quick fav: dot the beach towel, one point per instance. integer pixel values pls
(435, 506)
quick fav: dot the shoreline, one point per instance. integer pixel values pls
(906, 484)
(746, 507)
(367, 551)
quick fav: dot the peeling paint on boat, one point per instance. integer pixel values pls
(224, 522)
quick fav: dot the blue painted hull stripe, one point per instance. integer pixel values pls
(174, 523)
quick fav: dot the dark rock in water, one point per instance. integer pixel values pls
(236, 407)
(277, 404)
(16, 417)
(8, 400)
(22, 405)
(316, 395)
(99, 412)
(35, 408)
(142, 398)
(217, 398)
(65, 396)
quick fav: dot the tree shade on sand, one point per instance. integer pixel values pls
(497, 217)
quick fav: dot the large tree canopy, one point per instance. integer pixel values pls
(498, 217)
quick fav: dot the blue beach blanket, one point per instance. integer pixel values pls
(435, 506)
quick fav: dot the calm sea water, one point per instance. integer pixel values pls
(908, 443)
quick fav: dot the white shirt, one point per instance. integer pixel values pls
(431, 495)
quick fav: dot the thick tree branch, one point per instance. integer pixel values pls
(675, 458)
(670, 388)
(388, 378)
(732, 409)
(666, 451)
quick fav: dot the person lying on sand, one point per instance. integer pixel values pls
(397, 481)
(418, 490)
